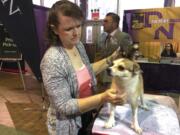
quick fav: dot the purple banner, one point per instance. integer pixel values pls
(40, 14)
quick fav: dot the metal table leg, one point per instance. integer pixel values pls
(21, 75)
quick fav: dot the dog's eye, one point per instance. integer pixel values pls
(120, 68)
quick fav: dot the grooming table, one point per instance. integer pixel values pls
(161, 119)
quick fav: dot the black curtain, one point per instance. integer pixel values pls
(18, 18)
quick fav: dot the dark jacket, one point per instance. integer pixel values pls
(170, 54)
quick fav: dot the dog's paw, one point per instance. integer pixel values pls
(109, 124)
(137, 129)
(145, 107)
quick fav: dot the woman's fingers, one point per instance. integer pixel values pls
(116, 53)
(120, 98)
(115, 98)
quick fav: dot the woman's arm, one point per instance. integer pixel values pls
(101, 65)
(92, 102)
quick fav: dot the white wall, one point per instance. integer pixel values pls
(46, 3)
(110, 5)
(138, 4)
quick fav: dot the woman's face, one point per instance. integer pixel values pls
(68, 30)
(168, 47)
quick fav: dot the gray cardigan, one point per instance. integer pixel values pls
(61, 84)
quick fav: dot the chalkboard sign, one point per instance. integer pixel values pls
(9, 53)
(8, 49)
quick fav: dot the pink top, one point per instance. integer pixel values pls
(84, 82)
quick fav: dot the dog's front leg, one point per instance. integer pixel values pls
(143, 105)
(135, 123)
(111, 120)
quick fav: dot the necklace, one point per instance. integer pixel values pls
(75, 52)
(72, 52)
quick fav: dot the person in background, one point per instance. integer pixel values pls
(68, 76)
(168, 51)
(114, 38)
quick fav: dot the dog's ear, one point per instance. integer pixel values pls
(136, 68)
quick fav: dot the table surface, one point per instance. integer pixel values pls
(150, 121)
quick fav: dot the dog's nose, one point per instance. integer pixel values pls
(108, 71)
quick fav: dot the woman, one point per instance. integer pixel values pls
(168, 51)
(68, 77)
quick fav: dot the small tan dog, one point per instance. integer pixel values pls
(127, 78)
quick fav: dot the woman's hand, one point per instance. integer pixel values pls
(113, 97)
(92, 102)
(116, 53)
(113, 56)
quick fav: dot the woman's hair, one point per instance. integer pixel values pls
(66, 8)
(168, 52)
(169, 44)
